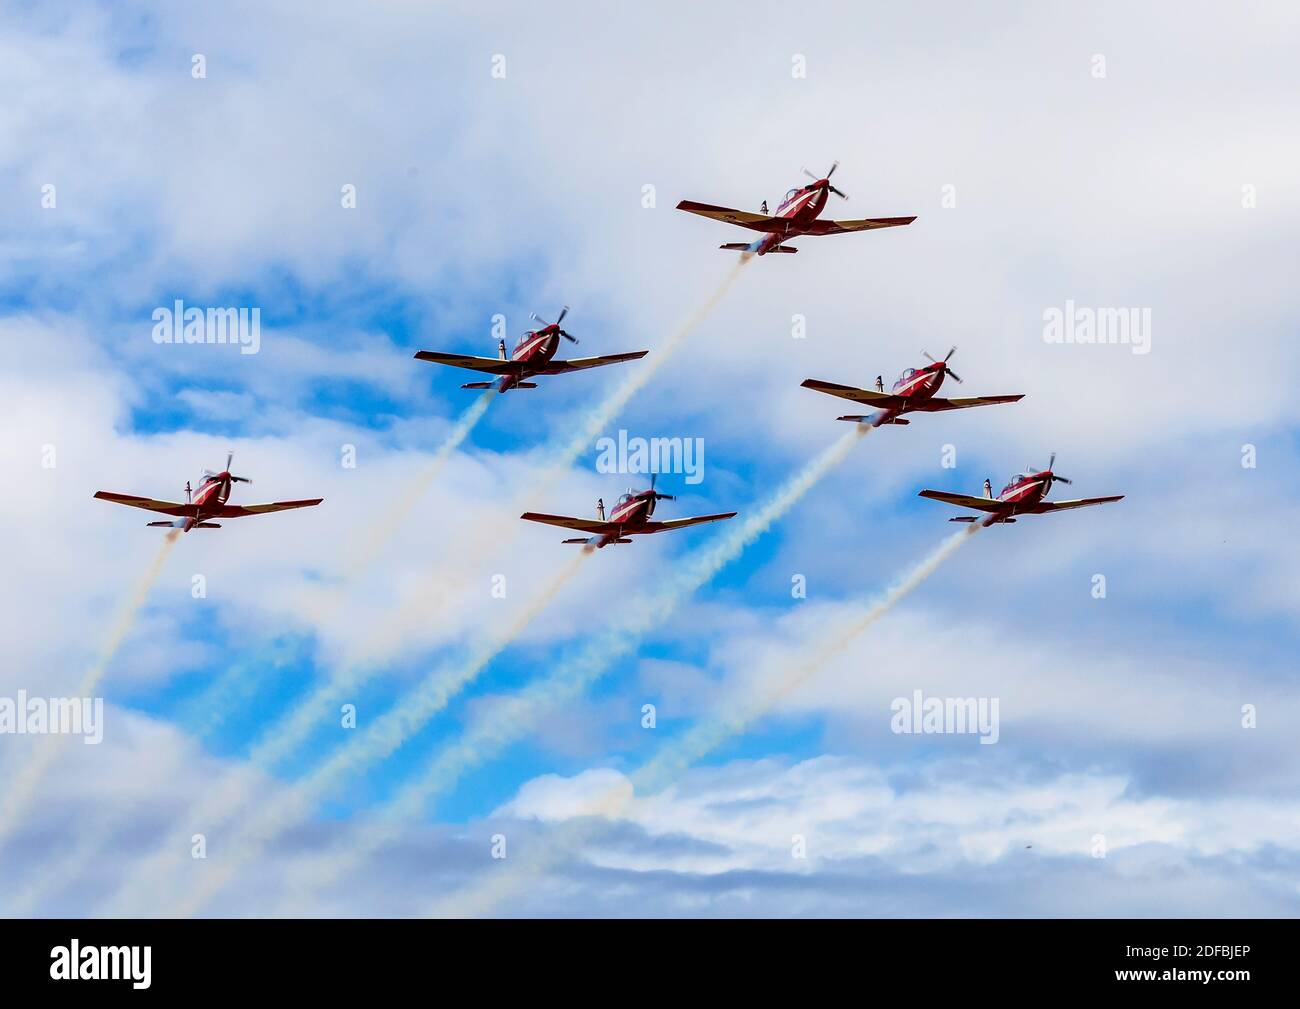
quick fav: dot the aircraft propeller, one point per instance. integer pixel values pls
(827, 179)
(654, 478)
(233, 479)
(563, 312)
(948, 371)
(1052, 477)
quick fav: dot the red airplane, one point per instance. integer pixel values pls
(914, 392)
(533, 355)
(796, 216)
(1022, 496)
(629, 517)
(205, 504)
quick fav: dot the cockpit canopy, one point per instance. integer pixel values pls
(789, 196)
(903, 378)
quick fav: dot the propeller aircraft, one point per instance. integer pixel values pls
(533, 355)
(1022, 496)
(797, 215)
(629, 517)
(914, 392)
(206, 503)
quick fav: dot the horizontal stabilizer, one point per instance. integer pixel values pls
(167, 525)
(783, 248)
(206, 525)
(860, 419)
(478, 385)
(735, 246)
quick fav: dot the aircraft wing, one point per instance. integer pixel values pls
(881, 400)
(148, 503)
(670, 524)
(582, 363)
(239, 511)
(983, 504)
(593, 526)
(820, 227)
(1057, 506)
(754, 222)
(937, 403)
(492, 365)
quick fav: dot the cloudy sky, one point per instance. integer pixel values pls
(408, 702)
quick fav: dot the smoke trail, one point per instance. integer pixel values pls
(514, 719)
(391, 520)
(385, 735)
(729, 720)
(280, 739)
(48, 747)
(294, 728)
(228, 686)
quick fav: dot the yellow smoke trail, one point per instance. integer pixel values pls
(729, 720)
(515, 718)
(24, 783)
(406, 717)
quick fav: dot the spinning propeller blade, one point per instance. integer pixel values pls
(947, 370)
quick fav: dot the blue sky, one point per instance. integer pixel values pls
(1152, 184)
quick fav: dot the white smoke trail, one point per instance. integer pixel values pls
(729, 720)
(281, 738)
(378, 535)
(47, 748)
(384, 529)
(515, 718)
(293, 728)
(600, 416)
(477, 541)
(406, 717)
